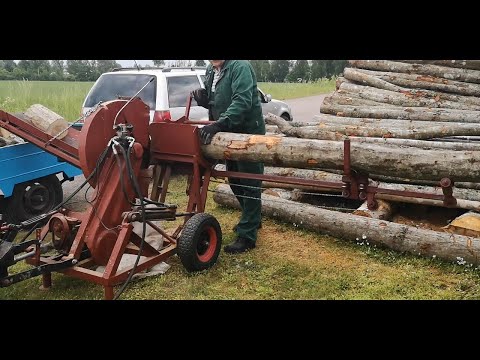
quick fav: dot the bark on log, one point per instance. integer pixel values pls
(291, 152)
(328, 131)
(272, 130)
(406, 113)
(46, 120)
(426, 83)
(461, 203)
(387, 81)
(370, 79)
(384, 211)
(427, 145)
(403, 99)
(398, 237)
(462, 64)
(344, 98)
(339, 81)
(292, 195)
(466, 75)
(322, 119)
(421, 144)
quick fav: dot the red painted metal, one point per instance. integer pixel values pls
(98, 129)
(66, 148)
(207, 255)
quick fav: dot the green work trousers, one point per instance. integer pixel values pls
(248, 193)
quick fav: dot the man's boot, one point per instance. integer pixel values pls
(240, 245)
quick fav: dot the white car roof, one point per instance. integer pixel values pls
(156, 72)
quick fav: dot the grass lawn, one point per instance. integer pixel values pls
(288, 263)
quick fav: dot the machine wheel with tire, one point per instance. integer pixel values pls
(200, 242)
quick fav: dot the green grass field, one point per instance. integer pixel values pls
(65, 98)
(294, 90)
(288, 263)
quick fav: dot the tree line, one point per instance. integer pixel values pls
(297, 70)
(90, 70)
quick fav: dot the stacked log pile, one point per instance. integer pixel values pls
(410, 124)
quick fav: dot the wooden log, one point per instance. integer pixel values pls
(46, 120)
(466, 224)
(410, 162)
(339, 81)
(369, 78)
(404, 99)
(461, 203)
(406, 113)
(422, 144)
(322, 119)
(328, 131)
(398, 180)
(384, 211)
(462, 64)
(292, 195)
(421, 82)
(466, 75)
(272, 129)
(427, 145)
(435, 188)
(402, 238)
(385, 81)
(344, 98)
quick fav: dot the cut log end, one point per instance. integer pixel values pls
(46, 120)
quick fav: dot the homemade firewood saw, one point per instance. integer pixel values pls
(122, 153)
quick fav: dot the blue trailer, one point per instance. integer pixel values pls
(29, 184)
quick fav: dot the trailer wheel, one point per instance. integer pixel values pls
(200, 242)
(33, 198)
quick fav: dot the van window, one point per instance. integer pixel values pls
(112, 86)
(179, 88)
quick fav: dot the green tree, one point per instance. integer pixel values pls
(158, 62)
(35, 69)
(81, 70)
(339, 66)
(9, 65)
(200, 63)
(58, 70)
(261, 68)
(301, 70)
(103, 66)
(317, 70)
(279, 70)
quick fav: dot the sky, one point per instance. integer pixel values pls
(131, 63)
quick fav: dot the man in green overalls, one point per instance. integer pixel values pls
(231, 96)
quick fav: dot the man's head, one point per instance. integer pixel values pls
(217, 63)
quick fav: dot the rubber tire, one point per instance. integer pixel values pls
(16, 210)
(192, 234)
(285, 117)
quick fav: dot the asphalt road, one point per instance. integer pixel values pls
(303, 109)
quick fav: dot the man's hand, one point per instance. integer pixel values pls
(201, 97)
(207, 132)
